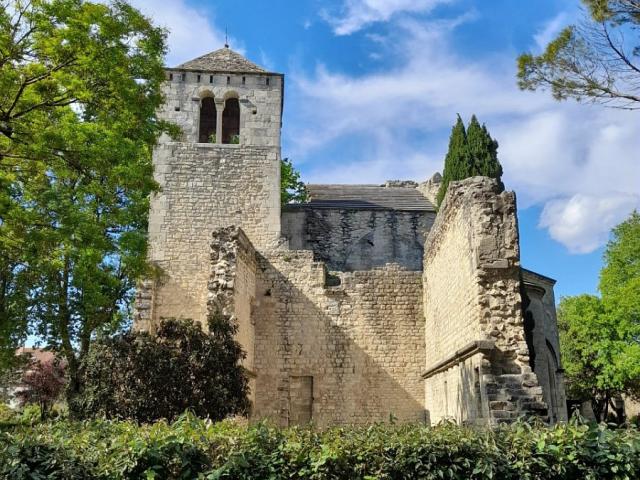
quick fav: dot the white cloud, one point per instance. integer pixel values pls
(191, 32)
(357, 14)
(551, 29)
(583, 222)
(396, 123)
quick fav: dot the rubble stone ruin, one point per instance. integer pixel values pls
(362, 303)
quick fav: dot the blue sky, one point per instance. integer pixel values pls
(373, 87)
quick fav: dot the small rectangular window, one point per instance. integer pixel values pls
(171, 76)
(184, 77)
(198, 78)
(228, 80)
(244, 80)
(268, 80)
(210, 78)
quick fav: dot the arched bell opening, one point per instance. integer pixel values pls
(231, 121)
(208, 120)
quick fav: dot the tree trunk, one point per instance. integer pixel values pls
(619, 411)
(67, 347)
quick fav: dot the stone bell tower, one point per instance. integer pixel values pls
(223, 170)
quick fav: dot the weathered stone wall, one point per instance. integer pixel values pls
(431, 187)
(232, 289)
(349, 240)
(360, 341)
(260, 104)
(204, 187)
(350, 353)
(473, 311)
(543, 340)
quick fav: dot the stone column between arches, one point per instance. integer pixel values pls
(219, 110)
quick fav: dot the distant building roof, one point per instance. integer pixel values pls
(222, 60)
(37, 354)
(365, 197)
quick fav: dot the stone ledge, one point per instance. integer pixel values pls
(477, 346)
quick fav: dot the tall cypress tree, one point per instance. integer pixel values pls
(471, 153)
(457, 162)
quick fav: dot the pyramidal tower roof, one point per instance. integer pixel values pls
(222, 60)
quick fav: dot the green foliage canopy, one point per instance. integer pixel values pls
(471, 152)
(597, 61)
(79, 88)
(146, 378)
(600, 336)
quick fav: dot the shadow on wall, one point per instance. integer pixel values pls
(336, 355)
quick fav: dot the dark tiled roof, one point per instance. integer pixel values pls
(365, 197)
(222, 60)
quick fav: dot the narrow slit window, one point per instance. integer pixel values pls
(244, 80)
(228, 80)
(268, 80)
(198, 78)
(171, 76)
(184, 77)
(210, 78)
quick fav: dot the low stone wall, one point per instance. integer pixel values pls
(472, 294)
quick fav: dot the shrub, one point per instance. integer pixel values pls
(42, 384)
(7, 414)
(194, 448)
(181, 367)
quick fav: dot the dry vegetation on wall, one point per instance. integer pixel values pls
(192, 448)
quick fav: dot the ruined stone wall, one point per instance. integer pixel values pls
(232, 289)
(349, 240)
(204, 187)
(431, 187)
(349, 353)
(360, 341)
(475, 344)
(543, 340)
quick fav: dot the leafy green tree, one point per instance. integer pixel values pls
(79, 88)
(620, 277)
(471, 152)
(595, 61)
(600, 336)
(145, 377)
(292, 189)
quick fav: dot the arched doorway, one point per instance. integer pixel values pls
(231, 121)
(207, 120)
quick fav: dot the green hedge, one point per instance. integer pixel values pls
(192, 448)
